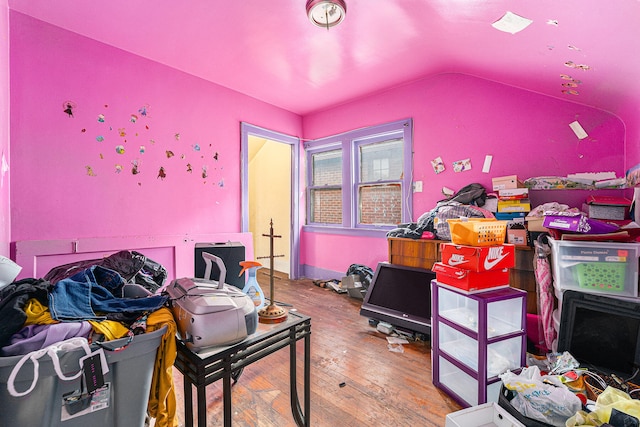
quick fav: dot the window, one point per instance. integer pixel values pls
(360, 179)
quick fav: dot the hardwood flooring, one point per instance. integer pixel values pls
(355, 379)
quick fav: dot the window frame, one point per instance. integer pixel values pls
(350, 143)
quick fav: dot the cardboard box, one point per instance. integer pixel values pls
(513, 193)
(521, 205)
(478, 258)
(468, 280)
(578, 223)
(517, 236)
(511, 216)
(488, 414)
(607, 207)
(534, 224)
(505, 182)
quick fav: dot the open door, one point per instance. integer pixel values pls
(269, 186)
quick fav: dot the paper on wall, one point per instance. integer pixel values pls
(578, 130)
(511, 23)
(487, 163)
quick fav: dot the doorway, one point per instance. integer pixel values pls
(269, 186)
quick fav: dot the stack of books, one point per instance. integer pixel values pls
(513, 206)
(514, 200)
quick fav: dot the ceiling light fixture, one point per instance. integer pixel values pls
(326, 13)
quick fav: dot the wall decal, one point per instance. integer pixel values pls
(189, 168)
(204, 172)
(120, 149)
(68, 107)
(572, 64)
(161, 173)
(122, 132)
(462, 165)
(215, 156)
(553, 22)
(177, 136)
(83, 130)
(101, 118)
(196, 147)
(90, 171)
(142, 149)
(169, 154)
(99, 138)
(143, 110)
(134, 167)
(118, 168)
(133, 118)
(437, 164)
(221, 183)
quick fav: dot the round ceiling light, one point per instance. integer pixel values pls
(326, 13)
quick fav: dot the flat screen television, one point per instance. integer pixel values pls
(400, 296)
(601, 332)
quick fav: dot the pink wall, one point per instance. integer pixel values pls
(5, 217)
(68, 179)
(458, 117)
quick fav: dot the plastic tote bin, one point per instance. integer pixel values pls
(596, 267)
(123, 402)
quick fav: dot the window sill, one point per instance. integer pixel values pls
(360, 232)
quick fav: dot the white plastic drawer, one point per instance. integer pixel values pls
(501, 355)
(458, 309)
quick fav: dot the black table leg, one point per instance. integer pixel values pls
(188, 403)
(226, 394)
(202, 405)
(301, 419)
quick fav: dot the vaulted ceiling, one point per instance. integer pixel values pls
(580, 50)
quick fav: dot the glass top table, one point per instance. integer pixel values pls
(211, 364)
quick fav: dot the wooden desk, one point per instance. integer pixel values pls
(209, 365)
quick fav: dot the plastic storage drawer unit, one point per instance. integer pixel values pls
(123, 403)
(596, 267)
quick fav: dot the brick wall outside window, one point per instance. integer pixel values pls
(327, 206)
(381, 204)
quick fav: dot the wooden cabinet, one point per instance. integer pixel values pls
(419, 253)
(523, 277)
(423, 253)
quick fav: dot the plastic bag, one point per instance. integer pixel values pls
(613, 398)
(542, 398)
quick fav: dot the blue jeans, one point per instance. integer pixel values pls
(89, 295)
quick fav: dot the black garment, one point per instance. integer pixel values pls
(13, 299)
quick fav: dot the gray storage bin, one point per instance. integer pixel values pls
(129, 379)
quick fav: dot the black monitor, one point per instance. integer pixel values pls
(600, 332)
(400, 296)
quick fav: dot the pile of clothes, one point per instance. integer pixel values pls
(100, 300)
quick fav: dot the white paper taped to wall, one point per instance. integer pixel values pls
(578, 130)
(511, 23)
(487, 163)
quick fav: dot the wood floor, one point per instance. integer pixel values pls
(355, 379)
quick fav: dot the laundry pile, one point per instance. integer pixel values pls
(116, 297)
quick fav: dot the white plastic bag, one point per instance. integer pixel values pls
(542, 398)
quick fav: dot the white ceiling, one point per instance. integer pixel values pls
(269, 49)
